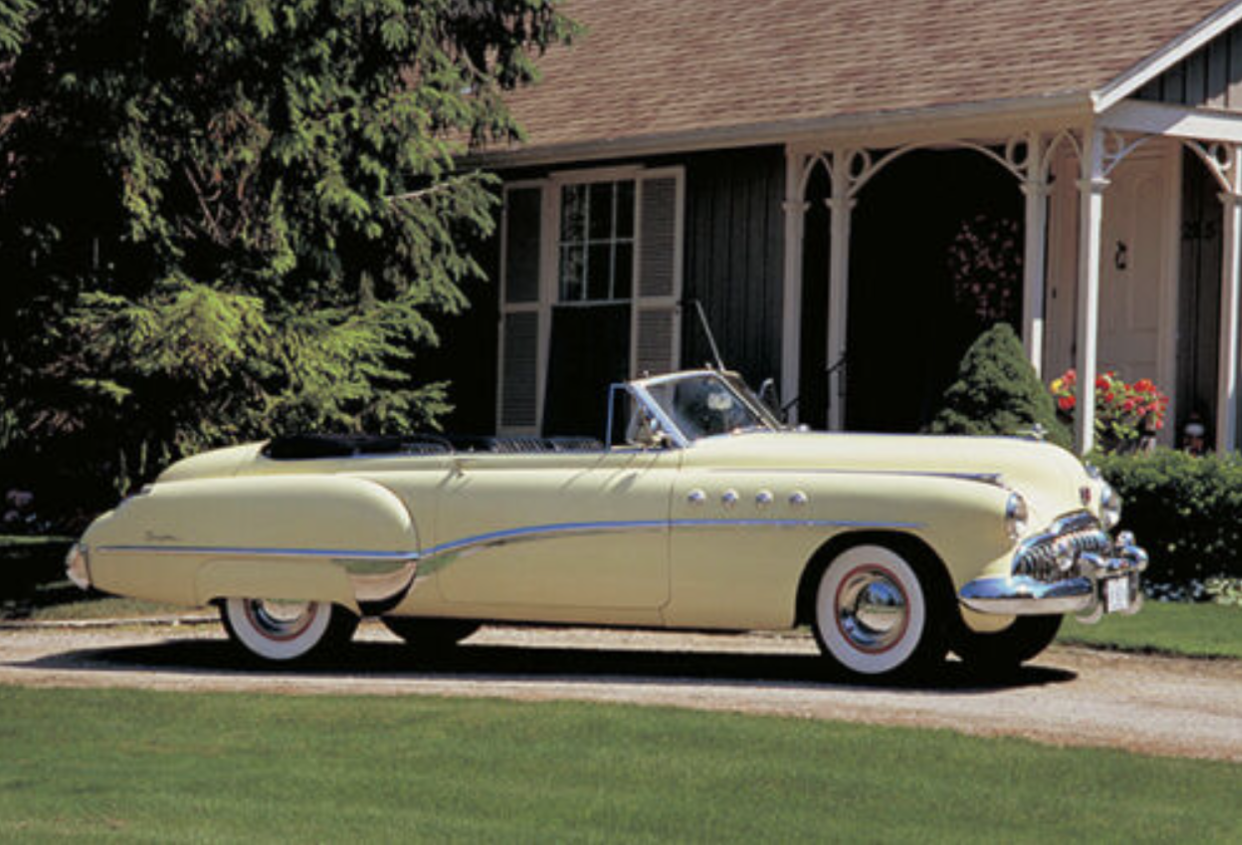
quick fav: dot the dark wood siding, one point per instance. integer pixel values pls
(1211, 77)
(735, 258)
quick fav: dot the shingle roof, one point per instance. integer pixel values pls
(668, 67)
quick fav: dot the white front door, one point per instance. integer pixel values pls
(1138, 272)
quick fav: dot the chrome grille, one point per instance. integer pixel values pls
(1041, 556)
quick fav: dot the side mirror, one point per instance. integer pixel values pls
(769, 394)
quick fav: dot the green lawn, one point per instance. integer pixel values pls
(1200, 630)
(164, 767)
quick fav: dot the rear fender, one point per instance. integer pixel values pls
(329, 538)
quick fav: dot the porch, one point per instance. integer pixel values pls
(1122, 264)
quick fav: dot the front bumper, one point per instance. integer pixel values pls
(1101, 583)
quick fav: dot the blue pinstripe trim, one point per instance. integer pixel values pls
(238, 551)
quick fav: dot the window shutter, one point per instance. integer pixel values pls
(656, 341)
(519, 397)
(520, 309)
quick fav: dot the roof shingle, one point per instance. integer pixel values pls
(666, 67)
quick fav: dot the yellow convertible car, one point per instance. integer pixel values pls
(698, 511)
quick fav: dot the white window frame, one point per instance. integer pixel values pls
(549, 271)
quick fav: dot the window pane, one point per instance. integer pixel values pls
(573, 213)
(523, 208)
(623, 271)
(625, 209)
(571, 273)
(599, 267)
(600, 228)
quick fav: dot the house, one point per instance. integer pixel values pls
(851, 191)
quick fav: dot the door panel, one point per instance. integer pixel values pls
(1134, 264)
(570, 531)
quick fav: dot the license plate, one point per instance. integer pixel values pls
(1116, 594)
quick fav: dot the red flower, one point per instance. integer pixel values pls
(1065, 403)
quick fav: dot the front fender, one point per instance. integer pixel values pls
(315, 537)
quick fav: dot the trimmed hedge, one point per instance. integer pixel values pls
(1186, 511)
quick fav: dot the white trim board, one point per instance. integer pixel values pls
(1173, 121)
(1157, 63)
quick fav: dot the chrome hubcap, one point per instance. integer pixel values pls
(872, 609)
(280, 619)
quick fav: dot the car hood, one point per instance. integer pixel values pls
(1050, 477)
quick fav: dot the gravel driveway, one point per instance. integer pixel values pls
(1069, 696)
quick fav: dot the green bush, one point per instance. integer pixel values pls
(1186, 511)
(998, 392)
(26, 563)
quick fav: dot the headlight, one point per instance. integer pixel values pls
(1016, 516)
(1110, 506)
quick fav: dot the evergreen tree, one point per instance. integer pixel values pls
(998, 392)
(223, 219)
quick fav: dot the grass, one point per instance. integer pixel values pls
(168, 767)
(1196, 630)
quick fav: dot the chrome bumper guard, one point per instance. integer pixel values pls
(1104, 584)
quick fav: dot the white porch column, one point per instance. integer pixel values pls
(841, 206)
(791, 318)
(1035, 188)
(1230, 284)
(1091, 212)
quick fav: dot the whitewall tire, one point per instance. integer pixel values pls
(286, 630)
(877, 612)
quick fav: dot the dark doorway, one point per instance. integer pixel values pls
(935, 259)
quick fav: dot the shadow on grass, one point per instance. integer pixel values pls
(484, 663)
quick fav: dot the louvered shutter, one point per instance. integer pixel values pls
(656, 340)
(519, 348)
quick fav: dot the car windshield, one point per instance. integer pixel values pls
(707, 404)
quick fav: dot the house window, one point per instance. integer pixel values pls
(591, 267)
(596, 250)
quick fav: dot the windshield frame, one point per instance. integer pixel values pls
(641, 390)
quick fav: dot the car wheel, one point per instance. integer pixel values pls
(430, 635)
(286, 630)
(1007, 648)
(880, 612)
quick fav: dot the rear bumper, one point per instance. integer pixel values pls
(1104, 584)
(78, 566)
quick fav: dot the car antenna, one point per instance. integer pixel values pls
(707, 330)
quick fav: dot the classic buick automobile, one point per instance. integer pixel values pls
(706, 513)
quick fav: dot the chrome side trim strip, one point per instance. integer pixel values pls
(497, 538)
(438, 557)
(990, 478)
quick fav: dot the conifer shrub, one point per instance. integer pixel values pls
(997, 392)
